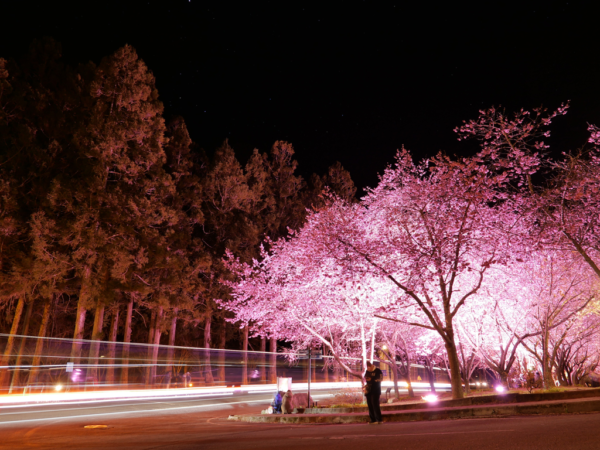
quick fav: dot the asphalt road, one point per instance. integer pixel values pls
(198, 424)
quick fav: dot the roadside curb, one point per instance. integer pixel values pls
(469, 401)
(546, 408)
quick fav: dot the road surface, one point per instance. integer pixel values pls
(202, 424)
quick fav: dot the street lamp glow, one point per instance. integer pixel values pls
(500, 389)
(58, 387)
(430, 398)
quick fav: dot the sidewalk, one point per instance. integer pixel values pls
(573, 406)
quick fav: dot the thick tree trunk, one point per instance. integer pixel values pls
(222, 344)
(546, 364)
(15, 375)
(114, 327)
(82, 303)
(171, 350)
(263, 359)
(4, 376)
(126, 341)
(455, 378)
(39, 345)
(208, 378)
(245, 357)
(273, 350)
(94, 360)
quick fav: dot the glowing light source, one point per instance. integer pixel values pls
(500, 389)
(430, 398)
(190, 384)
(58, 387)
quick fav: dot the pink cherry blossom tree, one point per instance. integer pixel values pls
(300, 293)
(433, 229)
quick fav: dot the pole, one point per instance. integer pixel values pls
(309, 370)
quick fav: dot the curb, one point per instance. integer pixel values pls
(588, 406)
(469, 401)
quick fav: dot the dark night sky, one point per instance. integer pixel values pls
(347, 81)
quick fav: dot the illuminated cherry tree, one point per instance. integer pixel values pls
(299, 292)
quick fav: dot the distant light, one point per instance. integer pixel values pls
(191, 384)
(102, 356)
(485, 384)
(478, 383)
(58, 387)
(500, 389)
(384, 347)
(430, 398)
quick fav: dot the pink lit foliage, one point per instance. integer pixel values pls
(561, 292)
(300, 293)
(434, 246)
(515, 144)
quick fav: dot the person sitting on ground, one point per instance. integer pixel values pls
(276, 403)
(373, 377)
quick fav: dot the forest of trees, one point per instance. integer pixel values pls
(113, 223)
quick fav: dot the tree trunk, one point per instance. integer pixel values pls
(39, 345)
(222, 344)
(209, 379)
(150, 351)
(114, 327)
(411, 392)
(93, 359)
(4, 376)
(455, 378)
(156, 346)
(325, 365)
(126, 341)
(273, 350)
(171, 350)
(84, 294)
(263, 359)
(245, 357)
(546, 366)
(15, 375)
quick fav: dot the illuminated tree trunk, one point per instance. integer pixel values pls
(263, 359)
(325, 365)
(15, 375)
(93, 359)
(39, 345)
(245, 357)
(84, 294)
(171, 350)
(126, 341)
(455, 378)
(209, 379)
(154, 341)
(273, 350)
(114, 326)
(222, 344)
(149, 350)
(11, 342)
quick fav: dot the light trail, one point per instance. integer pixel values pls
(178, 393)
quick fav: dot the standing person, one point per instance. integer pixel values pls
(373, 376)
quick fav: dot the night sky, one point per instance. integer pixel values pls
(347, 81)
